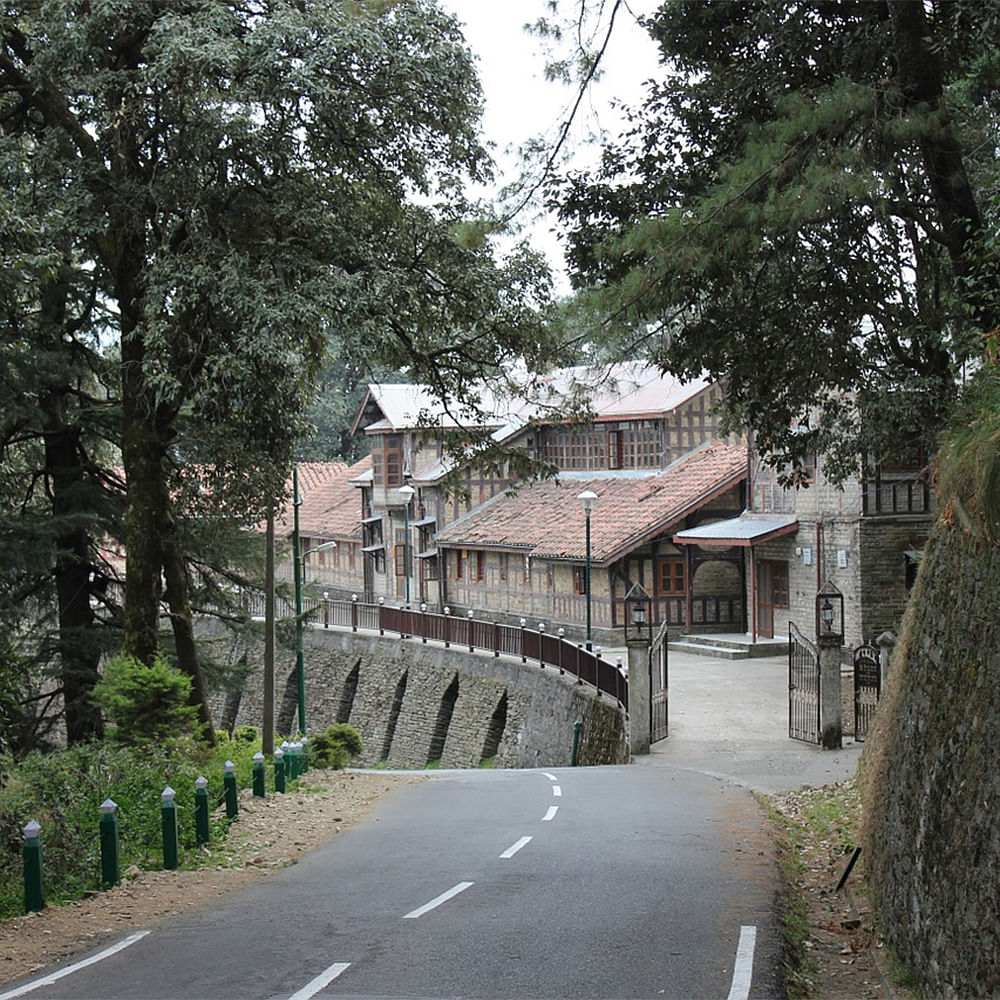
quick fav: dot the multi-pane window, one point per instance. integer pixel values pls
(671, 577)
(579, 579)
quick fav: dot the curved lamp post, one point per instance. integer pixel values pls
(587, 500)
(406, 492)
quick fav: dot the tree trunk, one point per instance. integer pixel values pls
(958, 212)
(181, 620)
(78, 644)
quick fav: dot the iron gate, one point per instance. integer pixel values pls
(867, 687)
(803, 687)
(658, 690)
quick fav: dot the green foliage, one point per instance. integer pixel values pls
(969, 460)
(803, 208)
(146, 703)
(335, 746)
(63, 790)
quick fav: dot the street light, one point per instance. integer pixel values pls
(587, 500)
(406, 492)
(298, 560)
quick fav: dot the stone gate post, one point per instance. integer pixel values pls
(830, 703)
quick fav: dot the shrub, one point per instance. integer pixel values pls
(145, 703)
(335, 746)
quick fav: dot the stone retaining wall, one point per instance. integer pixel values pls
(417, 704)
(931, 774)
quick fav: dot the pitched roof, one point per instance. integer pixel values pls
(330, 506)
(613, 392)
(546, 520)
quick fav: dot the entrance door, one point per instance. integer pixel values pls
(765, 600)
(772, 592)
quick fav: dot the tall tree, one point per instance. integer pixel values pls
(242, 183)
(800, 209)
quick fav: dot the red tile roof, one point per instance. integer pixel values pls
(330, 506)
(546, 520)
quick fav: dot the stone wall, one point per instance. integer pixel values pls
(931, 774)
(416, 703)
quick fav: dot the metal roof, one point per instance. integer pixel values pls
(745, 530)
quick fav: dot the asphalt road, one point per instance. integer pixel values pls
(569, 883)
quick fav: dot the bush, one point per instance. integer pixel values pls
(145, 703)
(335, 746)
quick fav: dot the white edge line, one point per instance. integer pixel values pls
(743, 969)
(434, 903)
(514, 848)
(75, 967)
(556, 791)
(545, 819)
(323, 979)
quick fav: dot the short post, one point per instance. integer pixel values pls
(31, 852)
(279, 770)
(258, 775)
(110, 867)
(472, 648)
(168, 816)
(229, 787)
(524, 656)
(562, 635)
(201, 828)
(541, 645)
(304, 754)
(354, 612)
(381, 605)
(423, 623)
(447, 627)
(326, 609)
(575, 755)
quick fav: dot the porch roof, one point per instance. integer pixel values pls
(745, 530)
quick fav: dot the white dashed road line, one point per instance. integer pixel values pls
(550, 815)
(743, 969)
(551, 777)
(75, 967)
(514, 848)
(437, 901)
(556, 791)
(322, 980)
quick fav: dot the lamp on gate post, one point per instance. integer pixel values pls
(406, 492)
(587, 500)
(829, 612)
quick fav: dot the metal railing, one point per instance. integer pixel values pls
(470, 633)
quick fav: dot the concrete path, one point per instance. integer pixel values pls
(729, 719)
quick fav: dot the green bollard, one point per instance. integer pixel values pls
(304, 747)
(293, 753)
(202, 831)
(110, 867)
(34, 895)
(574, 757)
(258, 775)
(279, 770)
(168, 815)
(229, 785)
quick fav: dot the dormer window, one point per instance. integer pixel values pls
(387, 460)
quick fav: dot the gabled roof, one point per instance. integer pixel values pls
(546, 520)
(330, 506)
(630, 389)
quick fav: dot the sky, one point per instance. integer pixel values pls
(521, 104)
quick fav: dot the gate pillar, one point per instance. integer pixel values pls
(638, 696)
(830, 705)
(886, 643)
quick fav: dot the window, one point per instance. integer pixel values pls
(459, 564)
(430, 567)
(503, 567)
(478, 568)
(671, 577)
(387, 460)
(579, 579)
(400, 552)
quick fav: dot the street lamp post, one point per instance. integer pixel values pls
(298, 567)
(587, 500)
(406, 492)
